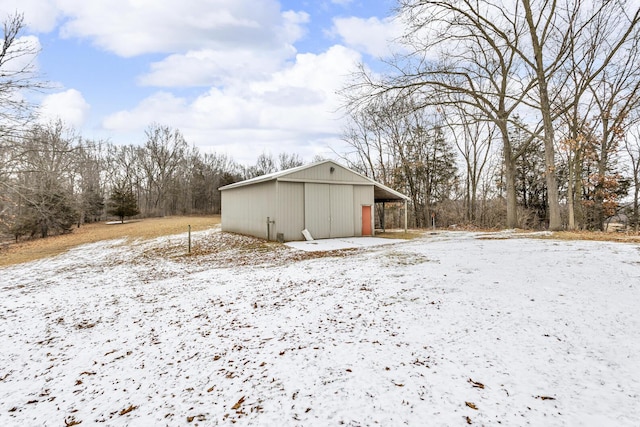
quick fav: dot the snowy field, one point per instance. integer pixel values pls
(445, 330)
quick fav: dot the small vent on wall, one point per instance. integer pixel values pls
(332, 169)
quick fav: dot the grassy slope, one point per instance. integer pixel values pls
(144, 229)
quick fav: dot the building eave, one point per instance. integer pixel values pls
(382, 193)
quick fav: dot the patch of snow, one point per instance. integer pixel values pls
(440, 330)
(341, 243)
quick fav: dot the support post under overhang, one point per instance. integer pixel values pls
(405, 215)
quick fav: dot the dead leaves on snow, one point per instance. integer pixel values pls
(238, 404)
(545, 398)
(241, 409)
(127, 410)
(481, 386)
(475, 384)
(71, 421)
(85, 324)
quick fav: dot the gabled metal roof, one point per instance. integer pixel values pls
(381, 192)
(268, 177)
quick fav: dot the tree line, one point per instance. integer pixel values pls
(53, 179)
(490, 114)
(539, 99)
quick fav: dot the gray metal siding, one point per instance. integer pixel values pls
(323, 172)
(317, 212)
(290, 218)
(245, 209)
(329, 210)
(362, 196)
(341, 206)
(328, 206)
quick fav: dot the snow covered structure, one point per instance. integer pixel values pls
(326, 199)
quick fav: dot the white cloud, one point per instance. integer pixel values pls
(39, 15)
(130, 27)
(293, 27)
(371, 36)
(68, 106)
(22, 56)
(295, 109)
(209, 67)
(261, 96)
(216, 66)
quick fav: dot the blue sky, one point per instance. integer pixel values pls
(239, 77)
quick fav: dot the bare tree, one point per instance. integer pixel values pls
(123, 167)
(365, 135)
(89, 180)
(632, 147)
(504, 60)
(595, 91)
(210, 172)
(164, 149)
(17, 75)
(560, 32)
(616, 95)
(405, 148)
(265, 164)
(288, 161)
(474, 140)
(43, 187)
(55, 179)
(461, 54)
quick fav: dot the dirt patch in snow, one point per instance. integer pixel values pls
(214, 248)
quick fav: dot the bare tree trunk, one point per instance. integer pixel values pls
(555, 222)
(570, 198)
(510, 183)
(636, 195)
(633, 150)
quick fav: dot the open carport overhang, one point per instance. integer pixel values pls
(382, 194)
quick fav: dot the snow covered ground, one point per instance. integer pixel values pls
(448, 329)
(342, 243)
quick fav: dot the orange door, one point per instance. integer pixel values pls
(366, 220)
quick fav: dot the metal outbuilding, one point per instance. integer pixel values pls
(326, 199)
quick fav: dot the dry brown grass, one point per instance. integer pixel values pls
(32, 250)
(600, 236)
(595, 235)
(400, 234)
